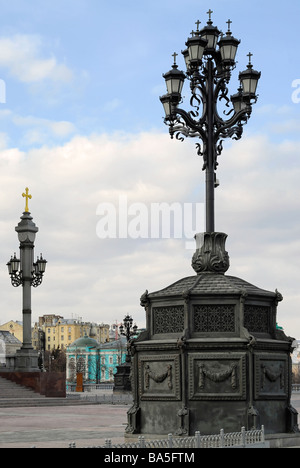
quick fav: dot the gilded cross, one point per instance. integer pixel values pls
(27, 196)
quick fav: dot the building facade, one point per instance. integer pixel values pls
(9, 345)
(15, 328)
(59, 333)
(97, 362)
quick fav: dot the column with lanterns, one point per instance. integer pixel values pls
(25, 272)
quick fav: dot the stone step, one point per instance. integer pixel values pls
(14, 395)
(30, 402)
(11, 390)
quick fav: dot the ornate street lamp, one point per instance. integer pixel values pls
(211, 345)
(122, 378)
(26, 272)
(128, 330)
(210, 59)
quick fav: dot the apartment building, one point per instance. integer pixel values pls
(58, 333)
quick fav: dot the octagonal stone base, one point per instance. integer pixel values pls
(211, 357)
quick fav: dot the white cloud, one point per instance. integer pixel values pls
(102, 279)
(23, 56)
(38, 130)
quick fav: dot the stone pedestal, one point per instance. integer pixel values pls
(211, 357)
(26, 360)
(122, 378)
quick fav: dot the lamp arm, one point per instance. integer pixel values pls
(193, 124)
(220, 92)
(243, 114)
(36, 280)
(16, 279)
(199, 98)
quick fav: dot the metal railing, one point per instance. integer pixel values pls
(243, 439)
(109, 399)
(71, 387)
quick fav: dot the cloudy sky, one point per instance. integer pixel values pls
(81, 125)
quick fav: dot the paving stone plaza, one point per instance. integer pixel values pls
(58, 426)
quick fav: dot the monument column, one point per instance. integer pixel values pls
(25, 272)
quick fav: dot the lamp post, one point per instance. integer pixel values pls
(128, 330)
(26, 272)
(210, 59)
(122, 378)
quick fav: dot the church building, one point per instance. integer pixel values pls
(96, 361)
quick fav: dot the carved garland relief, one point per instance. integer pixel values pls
(217, 376)
(159, 377)
(271, 373)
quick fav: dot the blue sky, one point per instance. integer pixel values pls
(114, 56)
(82, 123)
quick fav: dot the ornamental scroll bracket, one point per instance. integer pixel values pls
(158, 378)
(144, 300)
(220, 376)
(210, 255)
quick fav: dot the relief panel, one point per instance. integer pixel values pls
(159, 377)
(271, 376)
(217, 376)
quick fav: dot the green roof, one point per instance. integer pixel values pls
(85, 342)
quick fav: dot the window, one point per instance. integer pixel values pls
(62, 337)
